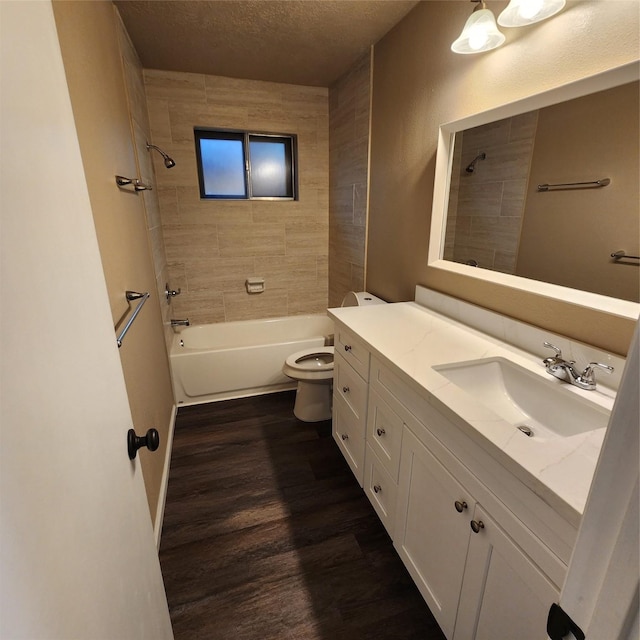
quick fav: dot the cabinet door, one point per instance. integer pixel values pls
(349, 435)
(380, 489)
(431, 535)
(504, 594)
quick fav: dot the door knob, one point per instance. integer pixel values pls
(151, 440)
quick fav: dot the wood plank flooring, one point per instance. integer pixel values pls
(267, 534)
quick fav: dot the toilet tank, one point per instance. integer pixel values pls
(360, 299)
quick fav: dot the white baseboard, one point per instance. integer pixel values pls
(162, 499)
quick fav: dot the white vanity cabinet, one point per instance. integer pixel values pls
(382, 458)
(350, 392)
(504, 594)
(487, 553)
(476, 580)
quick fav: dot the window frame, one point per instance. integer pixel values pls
(246, 137)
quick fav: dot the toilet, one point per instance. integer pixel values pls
(313, 369)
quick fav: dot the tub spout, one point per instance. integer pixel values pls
(180, 323)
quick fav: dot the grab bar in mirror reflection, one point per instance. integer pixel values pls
(622, 255)
(592, 184)
(132, 295)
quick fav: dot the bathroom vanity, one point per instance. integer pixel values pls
(483, 514)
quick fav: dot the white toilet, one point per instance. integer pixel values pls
(313, 369)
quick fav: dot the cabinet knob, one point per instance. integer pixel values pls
(344, 436)
(380, 432)
(377, 488)
(347, 347)
(460, 505)
(345, 389)
(476, 525)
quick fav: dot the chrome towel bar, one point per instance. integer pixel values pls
(619, 255)
(593, 184)
(132, 295)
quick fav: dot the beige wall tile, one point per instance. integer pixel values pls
(218, 274)
(189, 241)
(174, 85)
(307, 239)
(242, 306)
(251, 240)
(216, 244)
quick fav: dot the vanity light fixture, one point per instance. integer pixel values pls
(480, 32)
(520, 13)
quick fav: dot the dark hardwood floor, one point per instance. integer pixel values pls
(268, 535)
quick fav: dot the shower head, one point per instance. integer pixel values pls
(168, 162)
(471, 167)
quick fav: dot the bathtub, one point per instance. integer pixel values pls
(236, 359)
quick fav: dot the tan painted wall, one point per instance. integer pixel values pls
(213, 246)
(349, 119)
(89, 39)
(418, 83)
(585, 139)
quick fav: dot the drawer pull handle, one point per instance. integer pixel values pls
(460, 506)
(380, 432)
(344, 436)
(347, 347)
(476, 525)
(377, 488)
(345, 389)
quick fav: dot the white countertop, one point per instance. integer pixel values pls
(413, 339)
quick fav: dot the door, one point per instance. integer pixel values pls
(600, 593)
(431, 529)
(77, 554)
(504, 594)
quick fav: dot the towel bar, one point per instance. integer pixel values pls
(132, 295)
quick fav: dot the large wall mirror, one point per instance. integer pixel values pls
(538, 194)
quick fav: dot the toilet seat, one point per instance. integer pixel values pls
(310, 364)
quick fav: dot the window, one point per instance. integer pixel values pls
(243, 165)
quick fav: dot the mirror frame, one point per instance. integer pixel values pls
(444, 159)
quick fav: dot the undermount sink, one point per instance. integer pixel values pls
(536, 406)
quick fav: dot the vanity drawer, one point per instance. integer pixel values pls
(349, 436)
(384, 433)
(353, 350)
(349, 386)
(381, 490)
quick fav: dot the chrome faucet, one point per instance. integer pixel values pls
(180, 323)
(564, 370)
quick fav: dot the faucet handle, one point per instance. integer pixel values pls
(557, 360)
(588, 375)
(548, 345)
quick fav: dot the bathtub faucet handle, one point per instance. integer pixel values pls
(170, 293)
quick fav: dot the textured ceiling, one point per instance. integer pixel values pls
(307, 42)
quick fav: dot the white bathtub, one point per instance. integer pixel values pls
(236, 359)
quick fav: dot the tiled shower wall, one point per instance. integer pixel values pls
(349, 115)
(213, 246)
(486, 206)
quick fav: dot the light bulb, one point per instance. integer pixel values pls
(520, 13)
(480, 33)
(477, 38)
(529, 9)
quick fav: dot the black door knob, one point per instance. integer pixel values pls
(151, 440)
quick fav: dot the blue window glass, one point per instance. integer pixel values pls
(270, 169)
(223, 168)
(242, 165)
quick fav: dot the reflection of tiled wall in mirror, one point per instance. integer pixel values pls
(486, 205)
